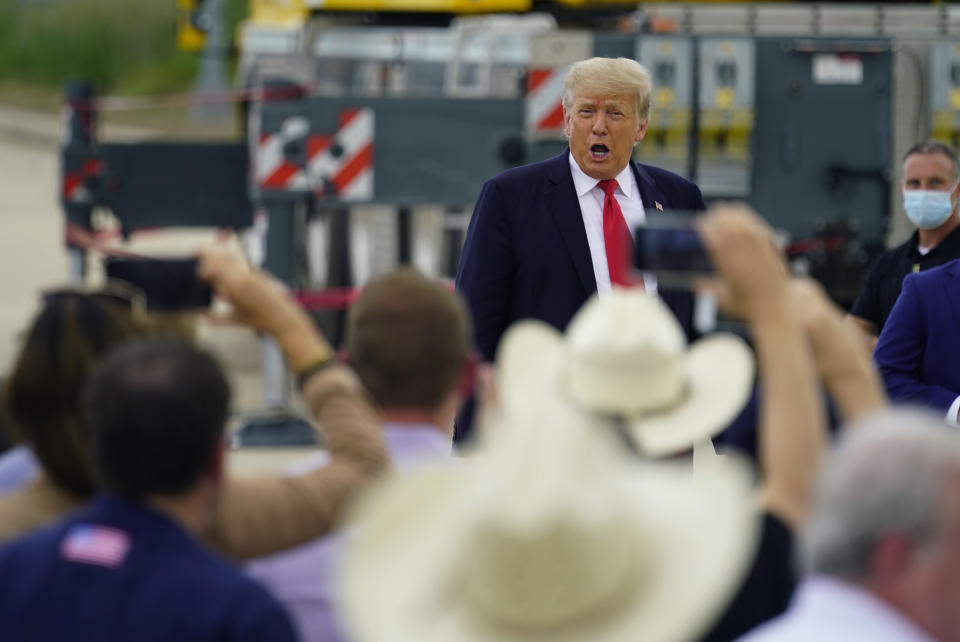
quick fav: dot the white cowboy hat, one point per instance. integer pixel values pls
(553, 534)
(625, 355)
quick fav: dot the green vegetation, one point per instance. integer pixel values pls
(122, 46)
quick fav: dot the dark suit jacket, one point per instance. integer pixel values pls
(919, 348)
(526, 253)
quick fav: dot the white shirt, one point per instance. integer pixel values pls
(830, 610)
(591, 208)
(18, 467)
(407, 443)
(952, 418)
(304, 579)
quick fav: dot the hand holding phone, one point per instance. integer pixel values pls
(670, 247)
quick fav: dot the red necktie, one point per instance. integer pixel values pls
(616, 236)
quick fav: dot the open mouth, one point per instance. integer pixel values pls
(599, 152)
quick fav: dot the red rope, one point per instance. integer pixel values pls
(329, 299)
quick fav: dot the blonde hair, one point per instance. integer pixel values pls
(608, 76)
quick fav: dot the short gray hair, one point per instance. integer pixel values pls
(608, 76)
(888, 475)
(936, 147)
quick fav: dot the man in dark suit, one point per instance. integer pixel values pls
(544, 237)
(919, 348)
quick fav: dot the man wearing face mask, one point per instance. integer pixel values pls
(930, 196)
(919, 347)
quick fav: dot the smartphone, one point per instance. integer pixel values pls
(670, 247)
(168, 284)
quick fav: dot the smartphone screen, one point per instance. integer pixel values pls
(670, 247)
(168, 284)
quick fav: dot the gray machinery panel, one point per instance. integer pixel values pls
(944, 66)
(944, 91)
(543, 149)
(614, 45)
(430, 150)
(822, 137)
(669, 59)
(728, 66)
(177, 184)
(725, 98)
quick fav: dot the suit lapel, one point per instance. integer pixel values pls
(650, 196)
(561, 197)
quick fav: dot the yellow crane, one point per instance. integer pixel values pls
(289, 11)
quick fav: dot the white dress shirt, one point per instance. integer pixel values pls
(830, 610)
(591, 208)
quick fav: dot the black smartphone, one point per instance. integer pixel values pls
(168, 284)
(670, 247)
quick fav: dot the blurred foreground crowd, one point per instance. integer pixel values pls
(592, 505)
(595, 500)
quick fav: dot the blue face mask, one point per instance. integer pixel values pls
(926, 208)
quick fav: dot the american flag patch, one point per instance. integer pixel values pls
(97, 545)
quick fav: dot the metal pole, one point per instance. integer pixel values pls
(211, 79)
(79, 143)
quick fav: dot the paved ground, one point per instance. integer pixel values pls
(30, 225)
(32, 256)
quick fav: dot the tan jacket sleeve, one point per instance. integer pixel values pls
(261, 516)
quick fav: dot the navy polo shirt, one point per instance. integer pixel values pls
(120, 571)
(882, 286)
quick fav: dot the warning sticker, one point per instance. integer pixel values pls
(833, 69)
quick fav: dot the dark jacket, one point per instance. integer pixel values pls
(120, 571)
(919, 348)
(526, 253)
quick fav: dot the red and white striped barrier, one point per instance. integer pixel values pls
(74, 190)
(343, 160)
(272, 169)
(544, 109)
(346, 160)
